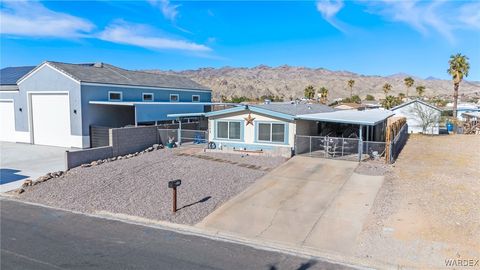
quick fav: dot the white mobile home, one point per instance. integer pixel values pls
(421, 116)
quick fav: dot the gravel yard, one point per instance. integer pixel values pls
(427, 210)
(138, 186)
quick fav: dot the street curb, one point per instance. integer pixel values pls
(304, 252)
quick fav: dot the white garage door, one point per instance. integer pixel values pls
(51, 119)
(7, 121)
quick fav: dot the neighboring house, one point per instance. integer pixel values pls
(273, 128)
(421, 116)
(350, 106)
(464, 107)
(8, 85)
(57, 103)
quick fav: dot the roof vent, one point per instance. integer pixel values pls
(98, 64)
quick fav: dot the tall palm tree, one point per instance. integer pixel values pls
(420, 90)
(459, 68)
(387, 88)
(323, 95)
(408, 83)
(351, 83)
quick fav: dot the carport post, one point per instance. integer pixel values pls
(360, 143)
(179, 131)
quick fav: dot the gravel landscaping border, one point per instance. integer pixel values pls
(138, 185)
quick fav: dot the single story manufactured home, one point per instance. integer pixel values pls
(421, 116)
(280, 128)
(56, 103)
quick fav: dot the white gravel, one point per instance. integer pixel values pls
(138, 186)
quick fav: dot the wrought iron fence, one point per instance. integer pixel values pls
(337, 147)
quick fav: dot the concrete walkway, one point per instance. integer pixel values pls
(19, 161)
(307, 202)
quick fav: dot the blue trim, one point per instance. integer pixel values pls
(271, 113)
(285, 130)
(242, 127)
(226, 111)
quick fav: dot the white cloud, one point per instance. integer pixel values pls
(143, 36)
(32, 19)
(168, 10)
(329, 9)
(469, 15)
(435, 16)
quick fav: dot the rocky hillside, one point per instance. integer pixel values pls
(288, 81)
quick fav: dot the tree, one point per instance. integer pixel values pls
(369, 98)
(420, 90)
(309, 92)
(323, 95)
(390, 102)
(408, 83)
(428, 117)
(351, 83)
(458, 68)
(387, 88)
(356, 99)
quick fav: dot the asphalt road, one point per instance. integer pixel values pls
(34, 237)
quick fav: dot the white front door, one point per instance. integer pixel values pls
(7, 121)
(51, 119)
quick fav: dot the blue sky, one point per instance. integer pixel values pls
(367, 37)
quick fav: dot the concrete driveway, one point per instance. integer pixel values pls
(19, 162)
(307, 202)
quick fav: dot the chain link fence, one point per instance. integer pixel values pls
(337, 147)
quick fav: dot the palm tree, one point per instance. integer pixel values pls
(459, 68)
(420, 90)
(309, 92)
(387, 88)
(390, 102)
(323, 95)
(408, 83)
(351, 83)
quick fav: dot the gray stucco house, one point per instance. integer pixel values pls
(56, 103)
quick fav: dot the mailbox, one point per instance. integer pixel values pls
(174, 183)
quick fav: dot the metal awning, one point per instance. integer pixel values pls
(177, 115)
(365, 117)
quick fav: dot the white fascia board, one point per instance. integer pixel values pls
(46, 64)
(145, 87)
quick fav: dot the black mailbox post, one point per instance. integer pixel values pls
(173, 185)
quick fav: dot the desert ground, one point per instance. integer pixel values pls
(427, 210)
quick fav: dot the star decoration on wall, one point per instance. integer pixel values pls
(249, 119)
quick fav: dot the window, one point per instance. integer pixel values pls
(114, 96)
(174, 97)
(195, 98)
(228, 130)
(147, 96)
(271, 132)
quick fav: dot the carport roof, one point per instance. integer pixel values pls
(366, 117)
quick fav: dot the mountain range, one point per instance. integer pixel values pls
(290, 81)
